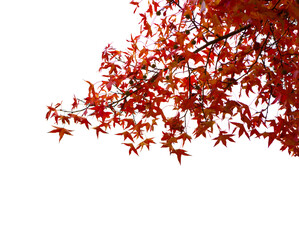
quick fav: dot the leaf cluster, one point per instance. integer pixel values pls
(229, 66)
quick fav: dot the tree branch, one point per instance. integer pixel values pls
(222, 38)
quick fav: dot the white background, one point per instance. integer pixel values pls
(89, 188)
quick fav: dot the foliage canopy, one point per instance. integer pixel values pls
(230, 67)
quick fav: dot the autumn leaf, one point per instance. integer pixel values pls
(126, 135)
(64, 119)
(81, 120)
(223, 137)
(129, 123)
(99, 129)
(241, 129)
(184, 136)
(61, 132)
(75, 103)
(52, 112)
(132, 148)
(146, 143)
(179, 153)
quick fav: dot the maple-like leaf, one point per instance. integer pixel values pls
(132, 148)
(126, 135)
(146, 143)
(223, 137)
(61, 131)
(241, 129)
(179, 153)
(99, 129)
(75, 103)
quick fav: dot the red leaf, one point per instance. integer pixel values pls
(146, 143)
(126, 135)
(134, 3)
(75, 103)
(241, 129)
(223, 138)
(61, 132)
(132, 148)
(99, 129)
(179, 153)
(271, 137)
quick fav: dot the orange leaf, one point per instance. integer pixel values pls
(126, 135)
(99, 129)
(61, 132)
(179, 153)
(146, 143)
(132, 148)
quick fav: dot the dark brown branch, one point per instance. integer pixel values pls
(222, 38)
